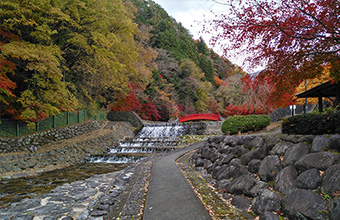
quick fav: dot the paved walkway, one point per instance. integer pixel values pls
(170, 197)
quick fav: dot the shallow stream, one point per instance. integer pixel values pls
(151, 139)
(13, 190)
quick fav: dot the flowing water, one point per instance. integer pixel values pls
(154, 138)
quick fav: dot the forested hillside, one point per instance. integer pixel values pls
(64, 55)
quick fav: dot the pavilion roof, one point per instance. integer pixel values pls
(327, 89)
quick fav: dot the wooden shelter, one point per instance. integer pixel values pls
(327, 90)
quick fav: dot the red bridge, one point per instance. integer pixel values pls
(193, 117)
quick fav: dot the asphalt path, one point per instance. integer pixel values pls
(170, 197)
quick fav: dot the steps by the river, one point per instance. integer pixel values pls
(134, 149)
(152, 139)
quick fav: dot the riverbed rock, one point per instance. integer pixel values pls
(331, 179)
(319, 160)
(304, 204)
(269, 168)
(309, 179)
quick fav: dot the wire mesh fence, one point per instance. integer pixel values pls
(10, 127)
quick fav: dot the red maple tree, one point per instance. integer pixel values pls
(6, 69)
(291, 38)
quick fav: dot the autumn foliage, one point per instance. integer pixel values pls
(291, 38)
(6, 69)
(145, 109)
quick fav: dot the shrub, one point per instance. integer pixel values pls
(314, 123)
(245, 123)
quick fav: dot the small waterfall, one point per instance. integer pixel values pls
(153, 138)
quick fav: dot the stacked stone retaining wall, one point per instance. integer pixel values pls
(35, 141)
(31, 161)
(289, 176)
(213, 128)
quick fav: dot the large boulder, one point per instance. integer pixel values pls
(335, 209)
(232, 171)
(266, 201)
(255, 143)
(304, 204)
(232, 140)
(294, 153)
(224, 159)
(241, 202)
(309, 179)
(239, 150)
(271, 141)
(269, 168)
(285, 181)
(242, 184)
(254, 165)
(210, 153)
(319, 160)
(222, 184)
(258, 188)
(334, 142)
(216, 139)
(258, 153)
(224, 149)
(269, 216)
(331, 179)
(281, 148)
(320, 143)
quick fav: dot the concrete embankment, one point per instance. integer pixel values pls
(58, 148)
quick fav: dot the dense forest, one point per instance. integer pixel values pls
(64, 55)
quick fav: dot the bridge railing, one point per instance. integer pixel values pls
(206, 116)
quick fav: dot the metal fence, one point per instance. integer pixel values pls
(10, 127)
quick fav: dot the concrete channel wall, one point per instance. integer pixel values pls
(24, 156)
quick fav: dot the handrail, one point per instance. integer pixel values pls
(200, 116)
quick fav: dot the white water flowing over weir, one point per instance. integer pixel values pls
(162, 130)
(153, 138)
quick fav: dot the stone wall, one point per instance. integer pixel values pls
(213, 128)
(127, 116)
(26, 163)
(34, 141)
(293, 176)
